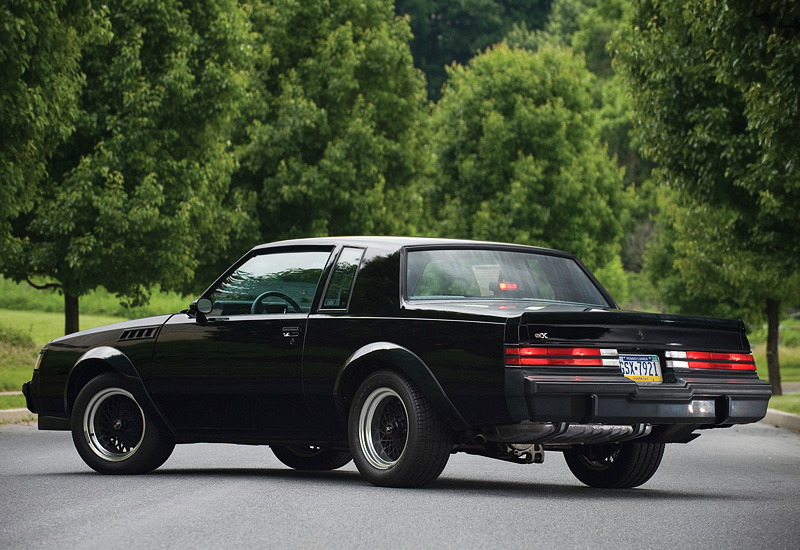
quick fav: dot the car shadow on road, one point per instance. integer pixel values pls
(460, 486)
(482, 487)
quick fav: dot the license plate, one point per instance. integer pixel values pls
(643, 369)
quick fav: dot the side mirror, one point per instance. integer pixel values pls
(200, 308)
(204, 305)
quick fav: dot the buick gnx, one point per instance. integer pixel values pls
(396, 353)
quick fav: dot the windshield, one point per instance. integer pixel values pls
(498, 275)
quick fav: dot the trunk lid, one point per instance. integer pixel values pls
(627, 330)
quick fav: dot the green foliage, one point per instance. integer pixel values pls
(518, 158)
(756, 49)
(334, 130)
(14, 336)
(613, 277)
(587, 26)
(40, 50)
(727, 240)
(447, 32)
(135, 191)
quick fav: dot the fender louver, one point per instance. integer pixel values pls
(138, 334)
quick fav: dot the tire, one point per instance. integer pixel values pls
(396, 438)
(619, 466)
(310, 458)
(112, 432)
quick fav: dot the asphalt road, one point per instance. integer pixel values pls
(738, 487)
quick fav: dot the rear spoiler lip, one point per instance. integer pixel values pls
(593, 317)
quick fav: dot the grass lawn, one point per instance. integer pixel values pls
(789, 358)
(32, 330)
(12, 401)
(788, 402)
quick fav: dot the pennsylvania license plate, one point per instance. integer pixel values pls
(644, 369)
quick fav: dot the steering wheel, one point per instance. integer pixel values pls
(280, 295)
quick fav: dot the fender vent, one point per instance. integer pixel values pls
(138, 334)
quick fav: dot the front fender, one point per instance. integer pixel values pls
(380, 355)
(107, 359)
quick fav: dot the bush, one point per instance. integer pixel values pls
(16, 337)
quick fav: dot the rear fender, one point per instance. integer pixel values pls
(107, 359)
(387, 355)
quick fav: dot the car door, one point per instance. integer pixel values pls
(238, 371)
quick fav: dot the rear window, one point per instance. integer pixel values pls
(497, 274)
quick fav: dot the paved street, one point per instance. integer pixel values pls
(738, 487)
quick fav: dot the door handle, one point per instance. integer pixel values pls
(290, 332)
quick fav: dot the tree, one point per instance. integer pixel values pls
(736, 192)
(333, 140)
(518, 156)
(446, 32)
(588, 26)
(40, 50)
(134, 194)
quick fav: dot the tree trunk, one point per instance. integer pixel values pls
(70, 313)
(773, 328)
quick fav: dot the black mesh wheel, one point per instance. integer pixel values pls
(623, 465)
(112, 432)
(396, 438)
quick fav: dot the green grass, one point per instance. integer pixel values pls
(789, 358)
(787, 403)
(44, 326)
(12, 402)
(22, 335)
(23, 297)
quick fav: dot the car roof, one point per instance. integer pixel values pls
(401, 242)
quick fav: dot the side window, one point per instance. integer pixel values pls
(277, 283)
(338, 294)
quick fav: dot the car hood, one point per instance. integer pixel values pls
(112, 332)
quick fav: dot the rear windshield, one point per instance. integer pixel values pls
(497, 275)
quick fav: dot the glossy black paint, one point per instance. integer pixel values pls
(290, 378)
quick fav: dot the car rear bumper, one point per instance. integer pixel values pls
(603, 401)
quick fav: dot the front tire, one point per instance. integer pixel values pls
(306, 457)
(396, 438)
(111, 431)
(623, 465)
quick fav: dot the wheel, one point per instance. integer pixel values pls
(396, 438)
(623, 465)
(258, 307)
(112, 433)
(311, 458)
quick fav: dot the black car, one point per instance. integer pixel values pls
(396, 353)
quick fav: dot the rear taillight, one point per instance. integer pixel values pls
(684, 360)
(562, 357)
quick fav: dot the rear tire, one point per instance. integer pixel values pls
(396, 438)
(111, 431)
(623, 465)
(307, 457)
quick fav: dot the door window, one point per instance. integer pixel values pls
(277, 283)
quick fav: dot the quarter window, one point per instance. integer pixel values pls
(338, 294)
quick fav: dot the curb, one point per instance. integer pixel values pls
(781, 419)
(17, 415)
